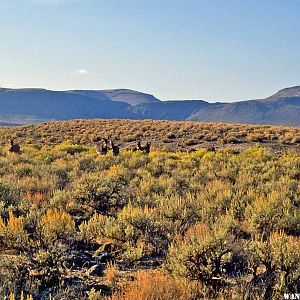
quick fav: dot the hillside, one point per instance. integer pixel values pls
(29, 106)
(171, 135)
(283, 108)
(37, 105)
(168, 110)
(119, 95)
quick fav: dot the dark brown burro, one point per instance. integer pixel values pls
(115, 148)
(145, 149)
(14, 148)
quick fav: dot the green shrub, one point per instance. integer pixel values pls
(104, 191)
(70, 148)
(203, 253)
(10, 198)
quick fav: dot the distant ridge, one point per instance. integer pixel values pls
(120, 95)
(33, 105)
(291, 92)
(130, 96)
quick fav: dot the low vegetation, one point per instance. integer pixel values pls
(201, 224)
(174, 136)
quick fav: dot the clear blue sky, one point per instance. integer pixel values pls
(219, 50)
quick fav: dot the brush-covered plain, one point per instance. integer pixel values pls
(171, 224)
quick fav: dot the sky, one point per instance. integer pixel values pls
(217, 50)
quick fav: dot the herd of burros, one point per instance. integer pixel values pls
(103, 145)
(107, 144)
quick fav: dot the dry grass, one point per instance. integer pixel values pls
(154, 285)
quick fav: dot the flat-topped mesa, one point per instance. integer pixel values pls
(129, 96)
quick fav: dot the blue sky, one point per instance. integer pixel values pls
(218, 50)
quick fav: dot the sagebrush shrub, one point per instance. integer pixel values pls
(56, 224)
